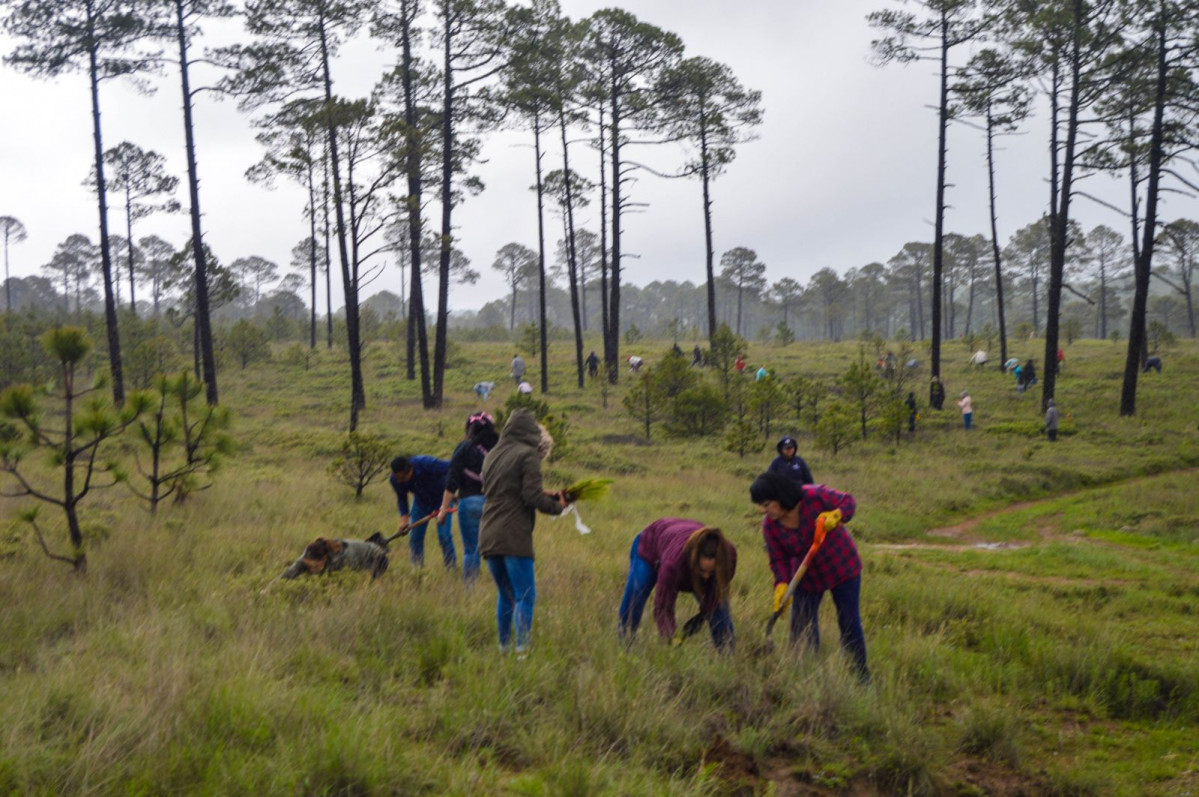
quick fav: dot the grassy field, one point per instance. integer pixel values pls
(1030, 609)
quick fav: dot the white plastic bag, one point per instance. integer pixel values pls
(579, 524)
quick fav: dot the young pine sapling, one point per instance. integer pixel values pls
(186, 441)
(73, 448)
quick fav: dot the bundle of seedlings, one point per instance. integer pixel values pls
(587, 490)
(584, 490)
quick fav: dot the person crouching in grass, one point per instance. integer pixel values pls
(325, 555)
(677, 555)
(789, 513)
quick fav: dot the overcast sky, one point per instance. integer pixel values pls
(841, 175)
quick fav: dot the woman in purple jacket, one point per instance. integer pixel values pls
(678, 555)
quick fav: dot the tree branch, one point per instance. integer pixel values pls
(45, 549)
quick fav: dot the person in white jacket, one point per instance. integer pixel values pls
(967, 406)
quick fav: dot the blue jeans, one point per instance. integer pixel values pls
(966, 418)
(805, 621)
(517, 594)
(470, 511)
(641, 581)
(416, 538)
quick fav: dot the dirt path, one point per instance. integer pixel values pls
(964, 538)
(963, 530)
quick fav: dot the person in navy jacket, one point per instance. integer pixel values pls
(789, 464)
(425, 478)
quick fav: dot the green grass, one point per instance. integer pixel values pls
(1064, 663)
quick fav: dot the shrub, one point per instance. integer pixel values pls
(837, 427)
(741, 438)
(363, 457)
(697, 411)
(246, 343)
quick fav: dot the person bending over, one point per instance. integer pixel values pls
(789, 514)
(424, 477)
(675, 555)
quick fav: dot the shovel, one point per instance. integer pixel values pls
(817, 541)
(411, 526)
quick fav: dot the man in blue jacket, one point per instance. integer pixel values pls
(425, 478)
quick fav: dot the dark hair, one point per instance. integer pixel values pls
(400, 465)
(773, 487)
(483, 433)
(476, 419)
(709, 543)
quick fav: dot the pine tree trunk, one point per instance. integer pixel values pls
(202, 317)
(418, 340)
(939, 225)
(349, 283)
(604, 320)
(572, 252)
(129, 248)
(1003, 358)
(612, 347)
(545, 384)
(110, 308)
(709, 251)
(1058, 237)
(312, 252)
(1144, 260)
(447, 207)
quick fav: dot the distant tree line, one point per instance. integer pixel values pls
(1118, 79)
(385, 172)
(883, 298)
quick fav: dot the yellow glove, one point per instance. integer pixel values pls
(676, 640)
(780, 589)
(830, 519)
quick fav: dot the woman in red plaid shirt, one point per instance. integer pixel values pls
(789, 513)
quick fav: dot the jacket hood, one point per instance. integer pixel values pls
(787, 441)
(521, 427)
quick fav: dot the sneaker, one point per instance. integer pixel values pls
(522, 653)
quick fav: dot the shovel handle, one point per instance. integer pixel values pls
(803, 568)
(817, 541)
(414, 524)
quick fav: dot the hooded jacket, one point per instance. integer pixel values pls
(794, 468)
(512, 492)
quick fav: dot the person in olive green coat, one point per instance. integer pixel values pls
(512, 496)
